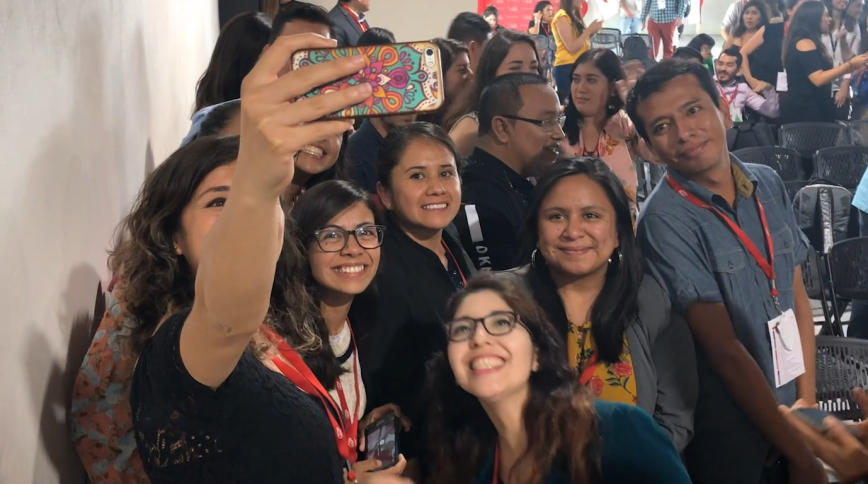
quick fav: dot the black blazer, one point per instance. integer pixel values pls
(413, 288)
(347, 31)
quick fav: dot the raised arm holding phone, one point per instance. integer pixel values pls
(197, 371)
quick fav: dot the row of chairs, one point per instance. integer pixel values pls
(835, 279)
(842, 165)
(609, 38)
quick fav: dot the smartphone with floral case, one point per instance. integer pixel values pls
(405, 77)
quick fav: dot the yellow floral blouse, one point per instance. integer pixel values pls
(611, 383)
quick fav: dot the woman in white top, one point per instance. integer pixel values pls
(337, 232)
(842, 43)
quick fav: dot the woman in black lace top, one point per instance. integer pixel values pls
(227, 386)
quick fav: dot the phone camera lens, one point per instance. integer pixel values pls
(429, 52)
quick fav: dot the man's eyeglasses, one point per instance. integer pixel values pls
(335, 239)
(547, 124)
(498, 323)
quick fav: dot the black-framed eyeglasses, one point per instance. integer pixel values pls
(498, 323)
(335, 239)
(546, 124)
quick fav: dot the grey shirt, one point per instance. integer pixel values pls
(697, 258)
(661, 350)
(733, 13)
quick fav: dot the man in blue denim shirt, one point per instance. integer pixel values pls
(716, 283)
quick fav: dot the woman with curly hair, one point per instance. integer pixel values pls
(507, 407)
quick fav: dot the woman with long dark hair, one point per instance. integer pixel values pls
(236, 51)
(572, 38)
(423, 265)
(506, 407)
(586, 272)
(595, 123)
(507, 52)
(760, 35)
(809, 67)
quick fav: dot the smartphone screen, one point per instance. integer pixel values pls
(382, 441)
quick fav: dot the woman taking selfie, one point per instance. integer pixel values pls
(622, 337)
(507, 408)
(423, 265)
(220, 372)
(506, 52)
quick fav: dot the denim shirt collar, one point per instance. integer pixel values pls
(741, 173)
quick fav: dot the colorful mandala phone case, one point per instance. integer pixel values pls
(406, 78)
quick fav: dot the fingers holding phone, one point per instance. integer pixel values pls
(377, 414)
(274, 127)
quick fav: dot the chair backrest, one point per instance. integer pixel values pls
(749, 135)
(786, 162)
(844, 165)
(848, 266)
(807, 138)
(609, 41)
(842, 365)
(823, 214)
(633, 49)
(859, 132)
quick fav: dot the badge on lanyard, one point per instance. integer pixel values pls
(789, 361)
(661, 4)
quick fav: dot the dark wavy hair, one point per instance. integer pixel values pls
(763, 9)
(155, 281)
(492, 56)
(805, 24)
(237, 49)
(608, 63)
(571, 7)
(559, 418)
(617, 305)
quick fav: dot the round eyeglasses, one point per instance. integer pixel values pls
(335, 239)
(498, 323)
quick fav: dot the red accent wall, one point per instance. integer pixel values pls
(515, 14)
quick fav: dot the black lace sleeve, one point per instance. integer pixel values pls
(256, 427)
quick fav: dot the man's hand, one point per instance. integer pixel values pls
(845, 450)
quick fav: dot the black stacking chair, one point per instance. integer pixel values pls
(785, 161)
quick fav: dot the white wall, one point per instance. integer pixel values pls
(92, 92)
(412, 20)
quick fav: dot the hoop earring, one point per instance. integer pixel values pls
(533, 258)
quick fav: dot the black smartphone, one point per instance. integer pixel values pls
(814, 417)
(381, 441)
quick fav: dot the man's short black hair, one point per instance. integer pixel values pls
(503, 97)
(297, 10)
(688, 53)
(656, 78)
(490, 10)
(469, 27)
(375, 36)
(733, 51)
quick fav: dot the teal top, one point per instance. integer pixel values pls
(635, 449)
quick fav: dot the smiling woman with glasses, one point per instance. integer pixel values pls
(506, 406)
(337, 232)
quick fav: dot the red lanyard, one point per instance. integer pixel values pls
(351, 421)
(356, 18)
(454, 261)
(767, 266)
(547, 29)
(297, 371)
(731, 97)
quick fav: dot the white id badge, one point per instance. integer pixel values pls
(735, 114)
(787, 354)
(782, 82)
(661, 4)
